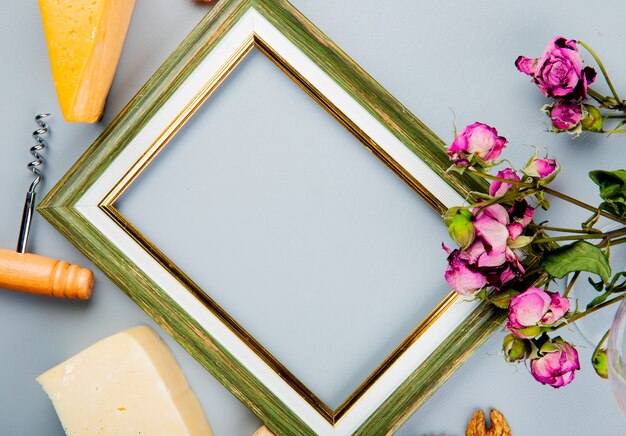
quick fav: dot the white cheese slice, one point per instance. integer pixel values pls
(126, 384)
(263, 431)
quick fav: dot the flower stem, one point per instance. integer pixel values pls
(579, 315)
(564, 230)
(602, 341)
(596, 96)
(606, 236)
(508, 197)
(604, 73)
(500, 179)
(582, 204)
(570, 285)
(566, 238)
(613, 243)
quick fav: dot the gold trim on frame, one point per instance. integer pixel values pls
(107, 205)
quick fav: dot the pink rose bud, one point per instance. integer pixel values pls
(556, 364)
(542, 169)
(498, 188)
(478, 144)
(559, 72)
(533, 309)
(565, 116)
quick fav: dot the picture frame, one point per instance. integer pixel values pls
(81, 207)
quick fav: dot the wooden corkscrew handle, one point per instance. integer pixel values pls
(44, 276)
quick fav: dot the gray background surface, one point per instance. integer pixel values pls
(436, 58)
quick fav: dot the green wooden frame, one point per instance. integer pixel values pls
(65, 208)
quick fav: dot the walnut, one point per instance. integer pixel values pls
(477, 426)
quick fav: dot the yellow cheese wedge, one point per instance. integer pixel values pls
(126, 384)
(85, 39)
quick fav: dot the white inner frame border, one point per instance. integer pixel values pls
(251, 23)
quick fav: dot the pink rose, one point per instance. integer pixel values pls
(565, 115)
(534, 308)
(497, 266)
(491, 227)
(489, 260)
(498, 188)
(477, 143)
(541, 168)
(559, 72)
(461, 276)
(522, 213)
(557, 366)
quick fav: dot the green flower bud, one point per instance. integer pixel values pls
(451, 213)
(599, 363)
(461, 228)
(502, 299)
(592, 121)
(515, 349)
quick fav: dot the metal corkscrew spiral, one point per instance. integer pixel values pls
(36, 167)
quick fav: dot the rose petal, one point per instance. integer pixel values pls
(460, 277)
(558, 308)
(515, 229)
(528, 308)
(526, 65)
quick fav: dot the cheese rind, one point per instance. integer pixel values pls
(128, 383)
(85, 40)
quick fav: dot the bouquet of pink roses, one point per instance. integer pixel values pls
(560, 75)
(505, 258)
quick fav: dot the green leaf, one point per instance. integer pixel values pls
(599, 286)
(579, 256)
(616, 277)
(588, 225)
(520, 242)
(612, 190)
(531, 332)
(599, 299)
(456, 169)
(550, 345)
(621, 123)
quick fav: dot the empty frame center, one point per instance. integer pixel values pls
(295, 229)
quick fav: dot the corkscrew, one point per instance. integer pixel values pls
(29, 204)
(32, 273)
